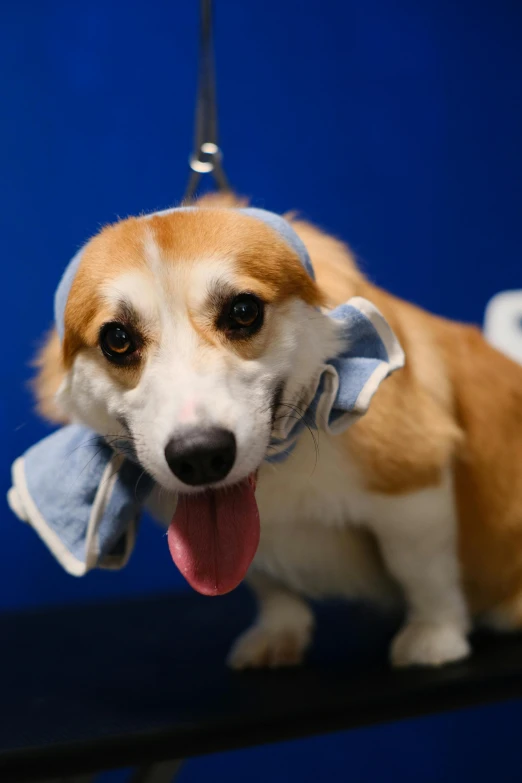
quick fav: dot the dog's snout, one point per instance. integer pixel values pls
(201, 455)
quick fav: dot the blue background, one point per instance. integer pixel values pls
(396, 125)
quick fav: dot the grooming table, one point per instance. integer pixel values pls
(88, 688)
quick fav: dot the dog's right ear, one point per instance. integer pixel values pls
(49, 376)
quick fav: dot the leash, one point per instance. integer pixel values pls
(207, 156)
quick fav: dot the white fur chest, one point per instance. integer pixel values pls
(310, 507)
(316, 485)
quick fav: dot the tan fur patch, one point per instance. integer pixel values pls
(488, 392)
(258, 251)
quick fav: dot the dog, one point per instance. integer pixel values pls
(193, 330)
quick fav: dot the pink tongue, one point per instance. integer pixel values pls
(213, 537)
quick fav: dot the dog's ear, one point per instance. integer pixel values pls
(50, 374)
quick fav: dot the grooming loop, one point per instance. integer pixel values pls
(207, 156)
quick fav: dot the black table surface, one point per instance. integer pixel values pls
(116, 684)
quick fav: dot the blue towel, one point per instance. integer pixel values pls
(84, 497)
(346, 383)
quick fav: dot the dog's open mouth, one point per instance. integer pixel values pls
(214, 535)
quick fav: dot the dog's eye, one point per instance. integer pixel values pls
(244, 311)
(244, 315)
(116, 342)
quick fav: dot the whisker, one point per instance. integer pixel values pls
(137, 482)
(304, 416)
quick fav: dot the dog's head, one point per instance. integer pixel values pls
(184, 332)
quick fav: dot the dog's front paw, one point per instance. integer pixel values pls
(261, 647)
(426, 644)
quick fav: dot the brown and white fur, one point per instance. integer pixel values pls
(422, 497)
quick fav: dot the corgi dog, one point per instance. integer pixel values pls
(190, 332)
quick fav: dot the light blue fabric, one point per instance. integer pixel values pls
(368, 353)
(84, 496)
(62, 292)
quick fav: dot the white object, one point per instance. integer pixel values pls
(503, 323)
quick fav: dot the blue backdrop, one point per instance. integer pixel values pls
(398, 126)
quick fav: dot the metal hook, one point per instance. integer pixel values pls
(207, 156)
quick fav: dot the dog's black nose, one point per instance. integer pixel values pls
(201, 455)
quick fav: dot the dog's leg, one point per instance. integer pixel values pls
(281, 633)
(418, 539)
